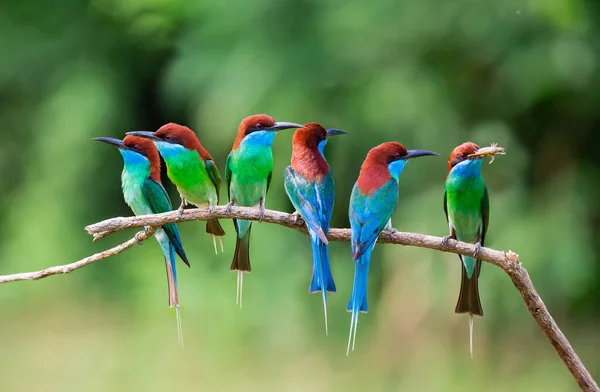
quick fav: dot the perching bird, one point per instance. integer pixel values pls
(144, 193)
(248, 172)
(191, 168)
(467, 208)
(310, 187)
(373, 200)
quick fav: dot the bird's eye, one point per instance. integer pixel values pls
(136, 147)
(167, 137)
(259, 126)
(397, 155)
(463, 155)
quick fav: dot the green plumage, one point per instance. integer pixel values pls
(248, 172)
(197, 181)
(466, 204)
(194, 180)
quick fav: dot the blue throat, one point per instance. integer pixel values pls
(321, 147)
(468, 168)
(169, 150)
(134, 160)
(395, 168)
(259, 138)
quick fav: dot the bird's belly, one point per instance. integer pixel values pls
(467, 225)
(192, 181)
(248, 193)
(249, 177)
(201, 194)
(137, 202)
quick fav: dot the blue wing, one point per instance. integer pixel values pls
(369, 214)
(314, 201)
(159, 202)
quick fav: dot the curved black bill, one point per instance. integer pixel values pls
(109, 140)
(418, 153)
(334, 132)
(281, 125)
(144, 134)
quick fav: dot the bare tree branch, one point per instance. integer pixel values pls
(508, 261)
(67, 268)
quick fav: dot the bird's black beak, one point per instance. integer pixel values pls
(334, 132)
(418, 153)
(109, 140)
(281, 125)
(144, 134)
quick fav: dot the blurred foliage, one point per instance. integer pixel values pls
(431, 74)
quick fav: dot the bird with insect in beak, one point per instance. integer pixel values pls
(310, 187)
(467, 208)
(191, 168)
(372, 203)
(248, 171)
(145, 195)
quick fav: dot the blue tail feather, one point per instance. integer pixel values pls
(327, 275)
(358, 299)
(322, 279)
(173, 266)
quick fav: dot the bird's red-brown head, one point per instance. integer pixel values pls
(147, 149)
(257, 123)
(309, 136)
(140, 146)
(307, 145)
(176, 134)
(374, 170)
(180, 134)
(382, 161)
(461, 153)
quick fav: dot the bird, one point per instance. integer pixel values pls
(191, 168)
(467, 208)
(144, 193)
(373, 200)
(248, 172)
(310, 187)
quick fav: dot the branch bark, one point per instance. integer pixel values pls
(67, 268)
(507, 261)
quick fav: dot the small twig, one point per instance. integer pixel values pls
(508, 261)
(67, 268)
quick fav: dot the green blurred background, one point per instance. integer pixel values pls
(430, 74)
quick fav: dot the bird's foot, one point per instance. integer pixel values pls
(295, 216)
(146, 232)
(181, 208)
(392, 230)
(446, 239)
(228, 207)
(477, 249)
(211, 208)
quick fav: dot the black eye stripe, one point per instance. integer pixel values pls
(255, 128)
(176, 140)
(394, 158)
(137, 148)
(173, 140)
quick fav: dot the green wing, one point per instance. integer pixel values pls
(269, 178)
(159, 202)
(228, 176)
(213, 173)
(485, 214)
(446, 204)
